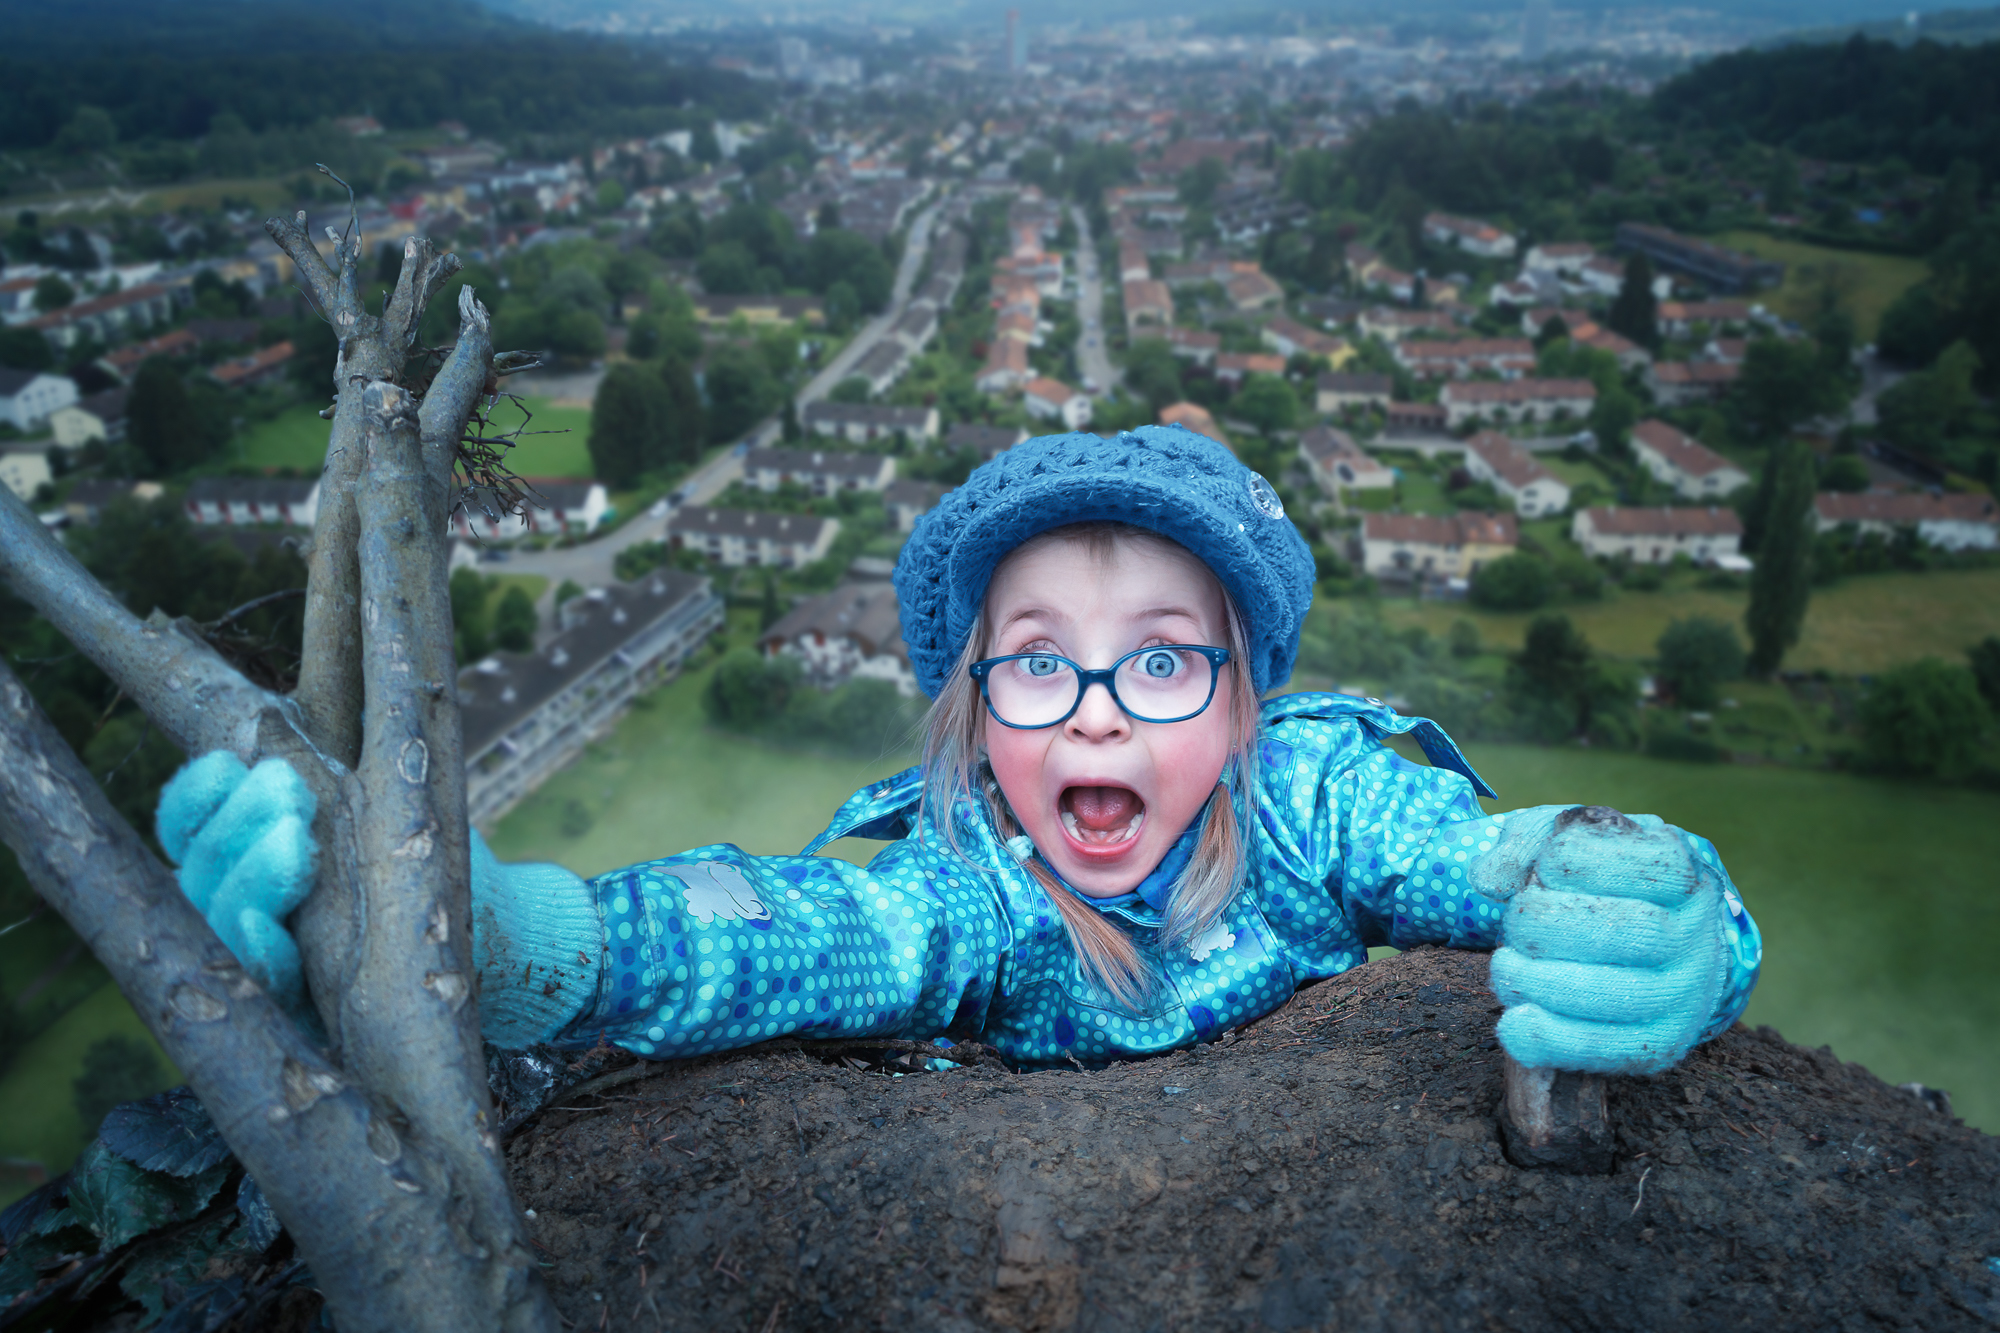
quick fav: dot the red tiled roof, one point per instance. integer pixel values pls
(1518, 391)
(1516, 466)
(1625, 521)
(1689, 455)
(1905, 508)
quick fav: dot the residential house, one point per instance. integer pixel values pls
(1629, 355)
(124, 361)
(823, 472)
(1288, 338)
(986, 441)
(1509, 358)
(1691, 468)
(1391, 282)
(1516, 400)
(1516, 474)
(527, 715)
(1727, 351)
(1194, 417)
(1558, 259)
(1681, 318)
(906, 501)
(1425, 546)
(1951, 522)
(1045, 397)
(1470, 235)
(1516, 293)
(1148, 306)
(107, 318)
(1006, 366)
(738, 537)
(1393, 325)
(252, 501)
(1232, 368)
(1574, 322)
(1336, 391)
(87, 498)
(24, 467)
(1337, 464)
(259, 367)
(1603, 276)
(1133, 265)
(30, 397)
(1723, 268)
(881, 364)
(852, 633)
(1415, 419)
(1196, 345)
(1250, 288)
(862, 423)
(1656, 536)
(1676, 383)
(554, 505)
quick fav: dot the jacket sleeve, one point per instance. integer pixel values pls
(716, 949)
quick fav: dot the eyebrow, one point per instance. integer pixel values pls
(1150, 613)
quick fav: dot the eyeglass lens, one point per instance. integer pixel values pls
(1155, 684)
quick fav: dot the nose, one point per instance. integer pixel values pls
(1098, 717)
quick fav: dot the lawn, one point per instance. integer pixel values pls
(1867, 282)
(556, 441)
(1859, 625)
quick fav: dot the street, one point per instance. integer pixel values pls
(1100, 377)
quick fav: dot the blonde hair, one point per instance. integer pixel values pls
(955, 769)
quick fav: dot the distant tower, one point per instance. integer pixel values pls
(1535, 30)
(1017, 43)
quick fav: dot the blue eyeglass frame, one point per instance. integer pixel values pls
(1217, 658)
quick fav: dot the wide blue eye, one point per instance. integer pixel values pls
(1160, 665)
(1041, 666)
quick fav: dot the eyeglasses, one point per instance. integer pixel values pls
(1164, 683)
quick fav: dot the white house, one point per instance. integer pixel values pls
(853, 632)
(1691, 468)
(98, 417)
(1516, 400)
(907, 501)
(861, 423)
(1045, 397)
(1509, 358)
(1677, 382)
(736, 537)
(1656, 536)
(1424, 545)
(1515, 473)
(821, 471)
(1470, 235)
(552, 506)
(1559, 259)
(250, 501)
(1952, 522)
(29, 397)
(1335, 390)
(24, 468)
(1337, 464)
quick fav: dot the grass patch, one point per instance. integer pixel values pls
(1867, 282)
(1861, 625)
(532, 584)
(296, 438)
(1576, 474)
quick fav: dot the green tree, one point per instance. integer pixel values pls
(90, 130)
(853, 389)
(1636, 311)
(1781, 183)
(1921, 413)
(1266, 402)
(577, 333)
(727, 268)
(741, 391)
(1985, 657)
(843, 306)
(1153, 372)
(684, 428)
(116, 1069)
(769, 610)
(746, 690)
(1955, 205)
(1199, 182)
(1782, 384)
(610, 196)
(628, 423)
(788, 425)
(1518, 582)
(52, 293)
(515, 621)
(468, 615)
(1695, 656)
(1926, 718)
(25, 349)
(1550, 677)
(163, 421)
(846, 256)
(1781, 583)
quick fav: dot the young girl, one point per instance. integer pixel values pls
(1110, 849)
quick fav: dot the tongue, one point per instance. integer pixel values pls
(1103, 808)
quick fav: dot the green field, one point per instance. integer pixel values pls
(1860, 625)
(1867, 283)
(297, 439)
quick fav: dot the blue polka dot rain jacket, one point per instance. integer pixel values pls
(1351, 846)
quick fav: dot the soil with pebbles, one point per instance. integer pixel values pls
(1334, 1165)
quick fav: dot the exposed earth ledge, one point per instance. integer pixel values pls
(1335, 1165)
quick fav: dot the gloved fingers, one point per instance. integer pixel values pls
(191, 798)
(1597, 993)
(271, 792)
(1620, 861)
(270, 955)
(1542, 1040)
(274, 875)
(1593, 928)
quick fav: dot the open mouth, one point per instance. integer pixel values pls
(1102, 817)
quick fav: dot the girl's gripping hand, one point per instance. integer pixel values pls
(537, 941)
(243, 840)
(1613, 953)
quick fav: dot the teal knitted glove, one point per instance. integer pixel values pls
(538, 940)
(1613, 954)
(243, 841)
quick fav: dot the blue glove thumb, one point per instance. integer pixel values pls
(243, 840)
(537, 940)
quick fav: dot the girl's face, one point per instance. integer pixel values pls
(1104, 796)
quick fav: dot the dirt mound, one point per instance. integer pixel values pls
(1335, 1165)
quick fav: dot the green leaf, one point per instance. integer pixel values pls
(162, 1271)
(120, 1201)
(56, 1235)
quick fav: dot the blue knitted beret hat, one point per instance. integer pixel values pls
(1167, 478)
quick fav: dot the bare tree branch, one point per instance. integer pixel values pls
(199, 700)
(334, 1167)
(322, 277)
(424, 272)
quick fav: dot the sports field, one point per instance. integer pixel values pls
(297, 439)
(1867, 283)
